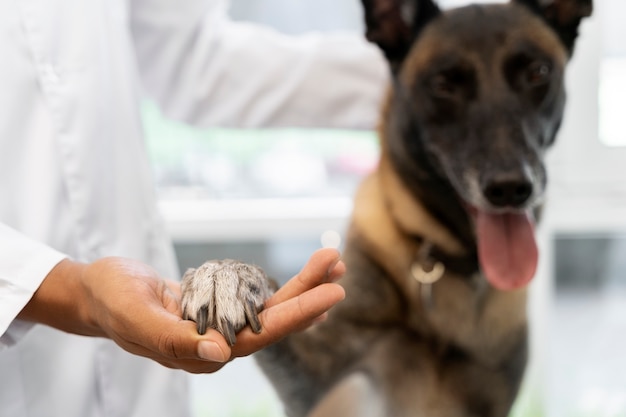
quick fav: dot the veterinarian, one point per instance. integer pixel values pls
(76, 189)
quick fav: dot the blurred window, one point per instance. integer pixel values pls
(612, 89)
(216, 163)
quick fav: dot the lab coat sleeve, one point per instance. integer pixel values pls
(24, 264)
(203, 68)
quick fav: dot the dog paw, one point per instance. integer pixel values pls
(225, 295)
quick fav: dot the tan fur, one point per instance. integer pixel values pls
(386, 216)
(432, 44)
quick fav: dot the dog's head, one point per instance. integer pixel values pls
(478, 97)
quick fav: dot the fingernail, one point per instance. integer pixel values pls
(320, 319)
(210, 351)
(332, 266)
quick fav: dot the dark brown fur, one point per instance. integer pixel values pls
(464, 101)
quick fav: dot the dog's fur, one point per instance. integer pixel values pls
(477, 97)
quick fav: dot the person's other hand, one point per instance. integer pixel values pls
(129, 303)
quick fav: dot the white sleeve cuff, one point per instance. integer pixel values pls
(23, 266)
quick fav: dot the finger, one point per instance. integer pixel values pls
(192, 366)
(166, 336)
(196, 366)
(174, 287)
(289, 316)
(169, 292)
(307, 324)
(317, 270)
(337, 271)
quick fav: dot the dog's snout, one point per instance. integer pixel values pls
(508, 190)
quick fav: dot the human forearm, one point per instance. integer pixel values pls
(211, 71)
(60, 301)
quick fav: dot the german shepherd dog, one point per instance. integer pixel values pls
(441, 242)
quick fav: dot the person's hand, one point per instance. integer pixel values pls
(302, 301)
(129, 303)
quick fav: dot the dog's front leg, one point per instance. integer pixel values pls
(354, 396)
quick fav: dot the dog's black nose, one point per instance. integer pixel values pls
(507, 190)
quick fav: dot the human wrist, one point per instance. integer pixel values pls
(62, 301)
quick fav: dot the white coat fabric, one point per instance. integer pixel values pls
(74, 175)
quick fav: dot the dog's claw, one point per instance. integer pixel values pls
(202, 319)
(228, 331)
(252, 315)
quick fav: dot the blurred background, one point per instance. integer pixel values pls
(272, 197)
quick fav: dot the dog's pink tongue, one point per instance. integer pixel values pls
(507, 249)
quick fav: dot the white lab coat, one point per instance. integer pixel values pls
(74, 173)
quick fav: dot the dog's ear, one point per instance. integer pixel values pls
(394, 24)
(563, 16)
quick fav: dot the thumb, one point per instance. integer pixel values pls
(184, 342)
(159, 334)
(211, 346)
(182, 348)
(177, 339)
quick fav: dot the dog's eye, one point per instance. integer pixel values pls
(451, 82)
(538, 73)
(442, 86)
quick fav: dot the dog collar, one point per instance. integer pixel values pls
(431, 264)
(428, 255)
(426, 271)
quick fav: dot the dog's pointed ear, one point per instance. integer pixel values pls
(563, 16)
(394, 24)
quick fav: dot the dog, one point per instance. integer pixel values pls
(440, 246)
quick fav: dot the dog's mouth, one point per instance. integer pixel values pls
(507, 249)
